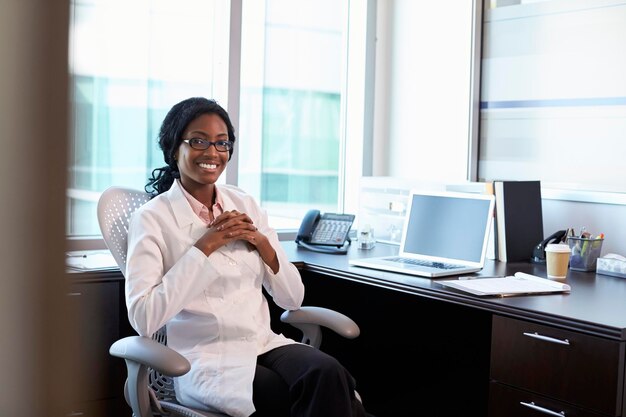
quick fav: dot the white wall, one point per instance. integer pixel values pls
(423, 90)
(609, 219)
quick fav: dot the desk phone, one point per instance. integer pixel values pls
(326, 232)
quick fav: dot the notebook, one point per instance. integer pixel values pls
(445, 233)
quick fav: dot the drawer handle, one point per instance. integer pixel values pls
(547, 338)
(542, 409)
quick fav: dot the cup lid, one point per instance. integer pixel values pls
(557, 247)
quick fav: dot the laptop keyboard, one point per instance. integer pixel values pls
(430, 264)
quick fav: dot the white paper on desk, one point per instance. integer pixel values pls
(519, 284)
(91, 261)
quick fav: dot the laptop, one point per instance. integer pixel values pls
(445, 233)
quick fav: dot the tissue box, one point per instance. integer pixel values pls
(609, 266)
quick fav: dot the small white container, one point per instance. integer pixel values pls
(366, 237)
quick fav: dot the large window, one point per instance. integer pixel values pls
(131, 61)
(292, 65)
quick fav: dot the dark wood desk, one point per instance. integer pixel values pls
(461, 355)
(466, 355)
(97, 302)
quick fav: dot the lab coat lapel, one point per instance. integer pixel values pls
(183, 213)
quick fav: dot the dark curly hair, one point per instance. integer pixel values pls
(171, 135)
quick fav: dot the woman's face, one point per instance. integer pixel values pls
(201, 167)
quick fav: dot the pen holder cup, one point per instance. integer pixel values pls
(585, 253)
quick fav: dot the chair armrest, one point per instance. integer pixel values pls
(308, 319)
(148, 352)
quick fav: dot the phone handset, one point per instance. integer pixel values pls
(305, 233)
(539, 251)
(326, 233)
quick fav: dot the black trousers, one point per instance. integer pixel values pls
(301, 381)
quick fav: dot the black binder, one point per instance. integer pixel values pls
(519, 219)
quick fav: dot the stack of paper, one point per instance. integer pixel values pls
(519, 284)
(90, 261)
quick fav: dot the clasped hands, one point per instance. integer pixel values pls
(233, 225)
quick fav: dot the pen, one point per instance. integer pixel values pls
(518, 294)
(510, 295)
(526, 294)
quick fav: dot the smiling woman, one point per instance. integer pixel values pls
(187, 151)
(195, 235)
(204, 165)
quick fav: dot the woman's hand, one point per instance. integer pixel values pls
(233, 225)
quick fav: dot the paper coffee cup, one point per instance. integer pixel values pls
(557, 260)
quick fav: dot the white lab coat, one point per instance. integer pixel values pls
(216, 314)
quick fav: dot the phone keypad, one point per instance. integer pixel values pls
(331, 232)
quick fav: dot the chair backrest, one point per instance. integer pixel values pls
(115, 206)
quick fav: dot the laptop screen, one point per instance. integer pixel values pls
(448, 226)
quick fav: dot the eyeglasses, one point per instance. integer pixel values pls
(201, 144)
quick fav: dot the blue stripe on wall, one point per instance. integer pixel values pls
(573, 102)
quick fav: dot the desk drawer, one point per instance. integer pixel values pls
(579, 369)
(510, 402)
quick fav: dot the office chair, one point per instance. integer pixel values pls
(149, 388)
